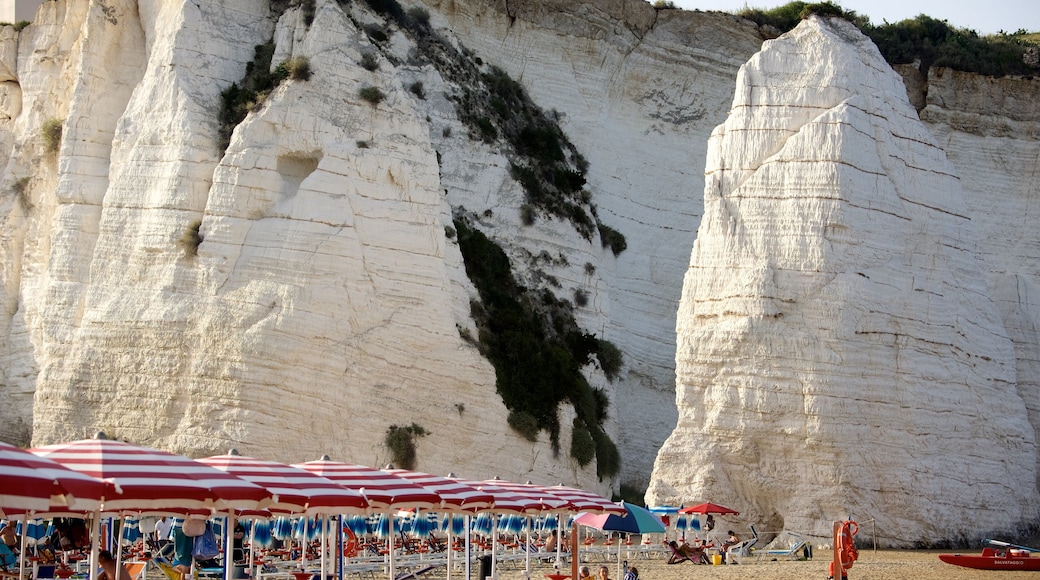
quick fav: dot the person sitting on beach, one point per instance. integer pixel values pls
(632, 574)
(604, 573)
(584, 573)
(693, 553)
(9, 535)
(108, 567)
(732, 540)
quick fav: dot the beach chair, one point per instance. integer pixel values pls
(736, 553)
(677, 556)
(788, 545)
(8, 559)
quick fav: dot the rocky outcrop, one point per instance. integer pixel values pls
(839, 349)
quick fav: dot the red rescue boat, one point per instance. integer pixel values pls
(1002, 556)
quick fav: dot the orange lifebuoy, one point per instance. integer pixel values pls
(351, 546)
(845, 546)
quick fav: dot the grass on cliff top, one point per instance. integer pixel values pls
(925, 39)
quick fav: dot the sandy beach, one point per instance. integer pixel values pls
(880, 565)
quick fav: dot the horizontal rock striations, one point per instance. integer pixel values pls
(839, 350)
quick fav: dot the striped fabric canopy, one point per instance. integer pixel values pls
(455, 495)
(382, 490)
(509, 501)
(140, 478)
(547, 501)
(585, 501)
(295, 490)
(30, 482)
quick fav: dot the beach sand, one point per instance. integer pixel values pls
(880, 565)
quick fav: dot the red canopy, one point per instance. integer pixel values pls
(140, 478)
(30, 482)
(294, 490)
(709, 508)
(383, 490)
(521, 499)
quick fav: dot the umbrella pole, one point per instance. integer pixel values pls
(469, 554)
(303, 544)
(494, 546)
(390, 544)
(119, 540)
(229, 545)
(339, 547)
(25, 545)
(450, 550)
(95, 528)
(252, 540)
(619, 556)
(574, 552)
(324, 545)
(527, 551)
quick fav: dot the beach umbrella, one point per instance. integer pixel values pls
(483, 523)
(580, 500)
(139, 478)
(420, 526)
(636, 520)
(382, 490)
(35, 483)
(709, 508)
(357, 524)
(293, 489)
(261, 533)
(455, 495)
(283, 528)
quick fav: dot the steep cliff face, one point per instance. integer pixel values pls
(325, 300)
(325, 282)
(990, 130)
(639, 91)
(838, 349)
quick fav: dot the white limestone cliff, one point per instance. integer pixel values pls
(839, 352)
(325, 301)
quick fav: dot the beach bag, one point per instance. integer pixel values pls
(206, 546)
(194, 527)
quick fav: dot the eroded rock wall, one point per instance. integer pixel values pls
(839, 353)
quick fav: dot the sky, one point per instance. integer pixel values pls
(982, 16)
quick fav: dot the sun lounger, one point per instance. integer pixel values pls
(787, 545)
(416, 573)
(736, 553)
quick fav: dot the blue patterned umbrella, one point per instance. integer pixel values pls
(420, 526)
(357, 524)
(262, 533)
(282, 529)
(550, 523)
(513, 524)
(680, 523)
(130, 531)
(483, 523)
(458, 525)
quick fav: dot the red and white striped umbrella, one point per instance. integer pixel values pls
(586, 501)
(455, 495)
(140, 478)
(295, 490)
(383, 490)
(30, 482)
(531, 498)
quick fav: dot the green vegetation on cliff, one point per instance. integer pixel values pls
(922, 39)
